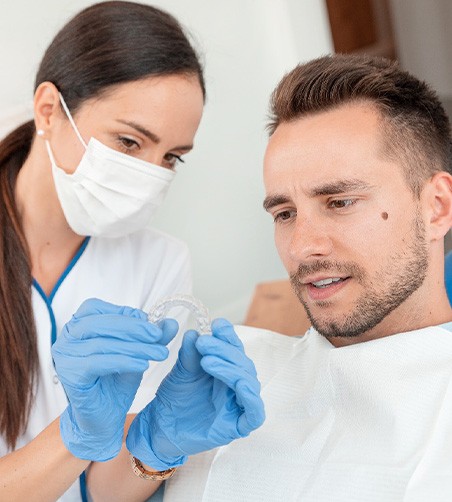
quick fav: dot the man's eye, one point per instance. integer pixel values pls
(341, 203)
(283, 215)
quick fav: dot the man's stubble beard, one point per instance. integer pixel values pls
(403, 274)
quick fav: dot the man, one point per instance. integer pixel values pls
(358, 182)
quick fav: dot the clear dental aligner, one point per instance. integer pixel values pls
(199, 311)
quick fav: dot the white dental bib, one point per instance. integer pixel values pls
(371, 422)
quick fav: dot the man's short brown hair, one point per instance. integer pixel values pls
(416, 128)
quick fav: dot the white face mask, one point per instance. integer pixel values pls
(110, 194)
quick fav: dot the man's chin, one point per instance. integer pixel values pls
(323, 322)
(335, 327)
(329, 330)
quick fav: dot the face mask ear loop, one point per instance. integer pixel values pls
(71, 120)
(49, 151)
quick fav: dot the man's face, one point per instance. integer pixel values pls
(347, 226)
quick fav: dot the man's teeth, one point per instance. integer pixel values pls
(326, 282)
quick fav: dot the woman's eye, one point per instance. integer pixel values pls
(171, 159)
(127, 144)
(341, 203)
(283, 215)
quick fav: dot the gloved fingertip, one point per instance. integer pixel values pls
(189, 341)
(170, 328)
(251, 388)
(169, 323)
(189, 356)
(94, 306)
(207, 345)
(209, 364)
(254, 410)
(224, 330)
(191, 334)
(190, 338)
(248, 422)
(220, 322)
(135, 313)
(257, 417)
(162, 353)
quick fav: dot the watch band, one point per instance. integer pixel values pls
(141, 472)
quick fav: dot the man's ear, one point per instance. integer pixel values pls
(46, 107)
(438, 193)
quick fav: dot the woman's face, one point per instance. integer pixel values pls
(154, 119)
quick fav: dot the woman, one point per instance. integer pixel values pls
(118, 98)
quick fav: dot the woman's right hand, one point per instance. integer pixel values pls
(100, 358)
(210, 398)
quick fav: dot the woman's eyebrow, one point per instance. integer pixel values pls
(146, 132)
(153, 137)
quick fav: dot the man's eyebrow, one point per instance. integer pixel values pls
(274, 200)
(332, 188)
(339, 186)
(153, 137)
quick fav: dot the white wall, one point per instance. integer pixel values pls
(215, 204)
(423, 36)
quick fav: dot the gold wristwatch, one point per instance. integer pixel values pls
(141, 472)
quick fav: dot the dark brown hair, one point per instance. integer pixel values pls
(416, 129)
(104, 45)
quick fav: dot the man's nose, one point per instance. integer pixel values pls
(309, 239)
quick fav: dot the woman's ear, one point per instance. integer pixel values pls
(46, 108)
(439, 199)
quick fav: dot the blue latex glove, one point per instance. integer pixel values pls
(209, 398)
(448, 275)
(100, 358)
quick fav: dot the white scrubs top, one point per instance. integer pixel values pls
(137, 270)
(371, 422)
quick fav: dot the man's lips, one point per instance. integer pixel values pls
(322, 289)
(322, 280)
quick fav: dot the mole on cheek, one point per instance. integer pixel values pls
(384, 216)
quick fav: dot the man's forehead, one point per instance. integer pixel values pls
(349, 118)
(344, 138)
(339, 151)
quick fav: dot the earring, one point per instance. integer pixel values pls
(40, 132)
